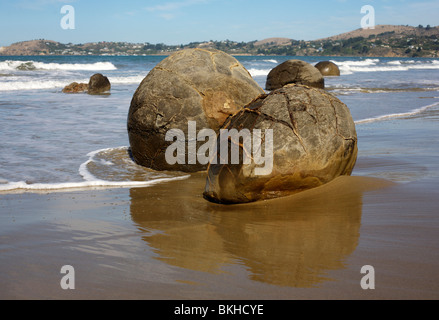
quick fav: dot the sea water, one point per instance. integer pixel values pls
(53, 141)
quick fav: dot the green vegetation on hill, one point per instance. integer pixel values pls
(413, 42)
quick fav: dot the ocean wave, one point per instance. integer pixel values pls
(259, 72)
(347, 67)
(350, 90)
(401, 62)
(113, 163)
(33, 84)
(24, 186)
(35, 65)
(271, 61)
(373, 65)
(397, 115)
(366, 62)
(127, 80)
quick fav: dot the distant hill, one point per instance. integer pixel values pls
(383, 41)
(382, 29)
(273, 42)
(31, 48)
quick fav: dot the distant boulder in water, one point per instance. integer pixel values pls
(75, 87)
(27, 66)
(328, 68)
(294, 72)
(98, 84)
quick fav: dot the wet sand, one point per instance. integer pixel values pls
(167, 242)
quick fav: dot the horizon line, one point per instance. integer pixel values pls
(225, 40)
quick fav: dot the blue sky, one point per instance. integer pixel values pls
(184, 21)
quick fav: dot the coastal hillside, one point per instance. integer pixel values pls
(419, 31)
(30, 48)
(383, 41)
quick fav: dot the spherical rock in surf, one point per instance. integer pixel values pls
(98, 84)
(294, 71)
(328, 68)
(201, 85)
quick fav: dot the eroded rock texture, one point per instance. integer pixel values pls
(314, 141)
(205, 86)
(75, 87)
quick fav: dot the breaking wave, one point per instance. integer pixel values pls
(397, 115)
(105, 168)
(259, 72)
(34, 84)
(375, 65)
(35, 65)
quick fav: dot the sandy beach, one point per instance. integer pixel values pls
(167, 242)
(70, 195)
(107, 113)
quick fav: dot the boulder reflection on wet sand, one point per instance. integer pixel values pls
(293, 241)
(176, 226)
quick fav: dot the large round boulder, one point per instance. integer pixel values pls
(98, 84)
(328, 68)
(294, 71)
(302, 138)
(193, 85)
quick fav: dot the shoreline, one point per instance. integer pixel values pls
(136, 244)
(166, 242)
(232, 54)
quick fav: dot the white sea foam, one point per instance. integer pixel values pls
(400, 62)
(259, 72)
(33, 84)
(271, 60)
(35, 65)
(90, 181)
(374, 65)
(367, 62)
(397, 115)
(22, 185)
(127, 80)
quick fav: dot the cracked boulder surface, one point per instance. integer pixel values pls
(294, 71)
(314, 142)
(328, 68)
(206, 86)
